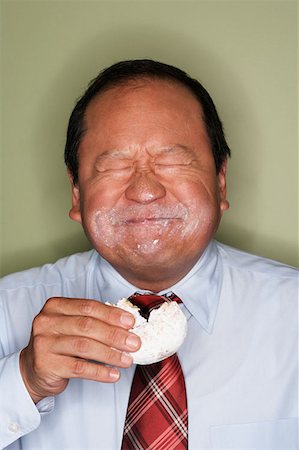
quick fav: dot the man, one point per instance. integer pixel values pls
(146, 157)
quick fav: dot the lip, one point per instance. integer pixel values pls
(149, 220)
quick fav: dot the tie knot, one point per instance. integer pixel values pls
(148, 302)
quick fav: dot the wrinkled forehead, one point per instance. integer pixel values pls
(142, 109)
(129, 86)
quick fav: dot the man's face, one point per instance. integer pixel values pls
(148, 195)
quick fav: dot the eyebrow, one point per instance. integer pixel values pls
(113, 154)
(126, 153)
(174, 148)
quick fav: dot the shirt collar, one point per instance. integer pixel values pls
(199, 289)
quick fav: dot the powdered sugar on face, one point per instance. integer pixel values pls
(145, 225)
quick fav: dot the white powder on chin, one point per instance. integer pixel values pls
(161, 335)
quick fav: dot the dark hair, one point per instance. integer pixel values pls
(125, 71)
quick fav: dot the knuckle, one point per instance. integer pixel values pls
(79, 367)
(110, 355)
(85, 324)
(40, 323)
(87, 307)
(36, 324)
(112, 314)
(83, 369)
(38, 343)
(81, 345)
(39, 358)
(109, 313)
(51, 303)
(114, 336)
(99, 371)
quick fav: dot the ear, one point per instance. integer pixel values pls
(75, 211)
(224, 204)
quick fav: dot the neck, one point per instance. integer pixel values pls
(152, 278)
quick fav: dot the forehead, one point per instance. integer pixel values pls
(147, 113)
(144, 93)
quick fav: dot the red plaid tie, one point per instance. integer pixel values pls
(157, 416)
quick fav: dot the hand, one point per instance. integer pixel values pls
(69, 338)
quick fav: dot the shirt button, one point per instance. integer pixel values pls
(14, 427)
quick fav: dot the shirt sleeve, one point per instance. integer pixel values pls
(18, 413)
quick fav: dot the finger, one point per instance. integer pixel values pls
(86, 327)
(90, 308)
(68, 367)
(90, 349)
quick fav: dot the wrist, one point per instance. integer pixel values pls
(34, 396)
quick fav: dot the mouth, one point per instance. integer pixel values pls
(142, 215)
(150, 220)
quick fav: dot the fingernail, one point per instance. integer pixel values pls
(132, 341)
(126, 359)
(127, 320)
(114, 374)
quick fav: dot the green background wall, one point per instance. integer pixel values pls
(244, 52)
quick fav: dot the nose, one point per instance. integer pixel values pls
(145, 188)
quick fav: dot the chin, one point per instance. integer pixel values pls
(147, 248)
(152, 255)
(142, 256)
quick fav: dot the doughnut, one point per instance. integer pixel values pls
(161, 334)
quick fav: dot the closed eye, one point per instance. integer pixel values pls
(114, 165)
(168, 161)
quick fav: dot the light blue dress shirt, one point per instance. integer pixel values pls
(240, 356)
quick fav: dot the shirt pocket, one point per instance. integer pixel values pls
(279, 434)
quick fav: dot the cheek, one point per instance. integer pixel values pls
(104, 194)
(99, 202)
(203, 210)
(194, 202)
(99, 226)
(200, 220)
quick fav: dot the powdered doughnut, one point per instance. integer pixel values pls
(161, 335)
